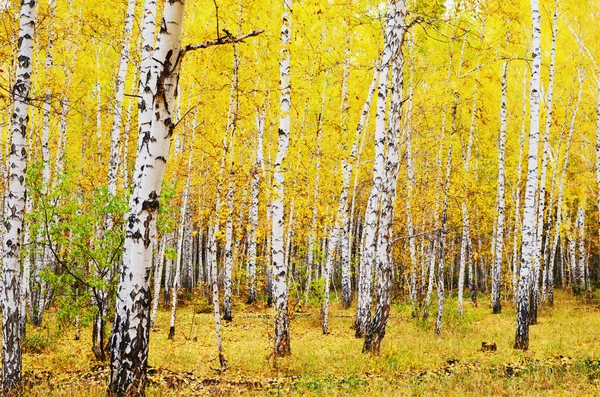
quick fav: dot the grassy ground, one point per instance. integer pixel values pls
(562, 360)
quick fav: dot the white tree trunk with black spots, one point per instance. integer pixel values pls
(253, 212)
(15, 197)
(115, 136)
(280, 293)
(529, 212)
(579, 282)
(310, 257)
(130, 336)
(497, 264)
(559, 202)
(538, 254)
(158, 270)
(442, 246)
(369, 245)
(466, 232)
(180, 240)
(395, 40)
(517, 194)
(231, 128)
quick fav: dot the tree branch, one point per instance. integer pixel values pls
(227, 39)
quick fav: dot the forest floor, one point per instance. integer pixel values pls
(563, 359)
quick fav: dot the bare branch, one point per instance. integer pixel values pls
(227, 39)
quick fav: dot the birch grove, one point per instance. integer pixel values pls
(352, 178)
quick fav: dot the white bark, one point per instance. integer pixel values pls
(442, 246)
(15, 194)
(395, 41)
(253, 212)
(115, 135)
(579, 265)
(538, 254)
(466, 233)
(367, 259)
(517, 195)
(282, 336)
(497, 264)
(130, 337)
(158, 270)
(529, 211)
(180, 240)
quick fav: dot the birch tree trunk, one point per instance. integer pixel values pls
(253, 213)
(579, 265)
(158, 89)
(517, 198)
(158, 270)
(497, 265)
(529, 211)
(556, 241)
(410, 170)
(180, 239)
(441, 247)
(367, 259)
(395, 40)
(280, 294)
(538, 254)
(15, 197)
(115, 139)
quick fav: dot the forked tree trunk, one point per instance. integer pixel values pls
(395, 40)
(369, 245)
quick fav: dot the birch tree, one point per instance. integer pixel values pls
(395, 34)
(253, 212)
(497, 265)
(528, 237)
(282, 324)
(369, 244)
(158, 85)
(15, 197)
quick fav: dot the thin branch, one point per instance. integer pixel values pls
(228, 39)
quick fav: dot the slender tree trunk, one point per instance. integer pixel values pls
(579, 264)
(497, 265)
(538, 253)
(180, 239)
(253, 213)
(282, 325)
(214, 279)
(158, 270)
(115, 139)
(441, 247)
(529, 212)
(517, 198)
(231, 128)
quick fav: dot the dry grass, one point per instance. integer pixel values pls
(413, 361)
